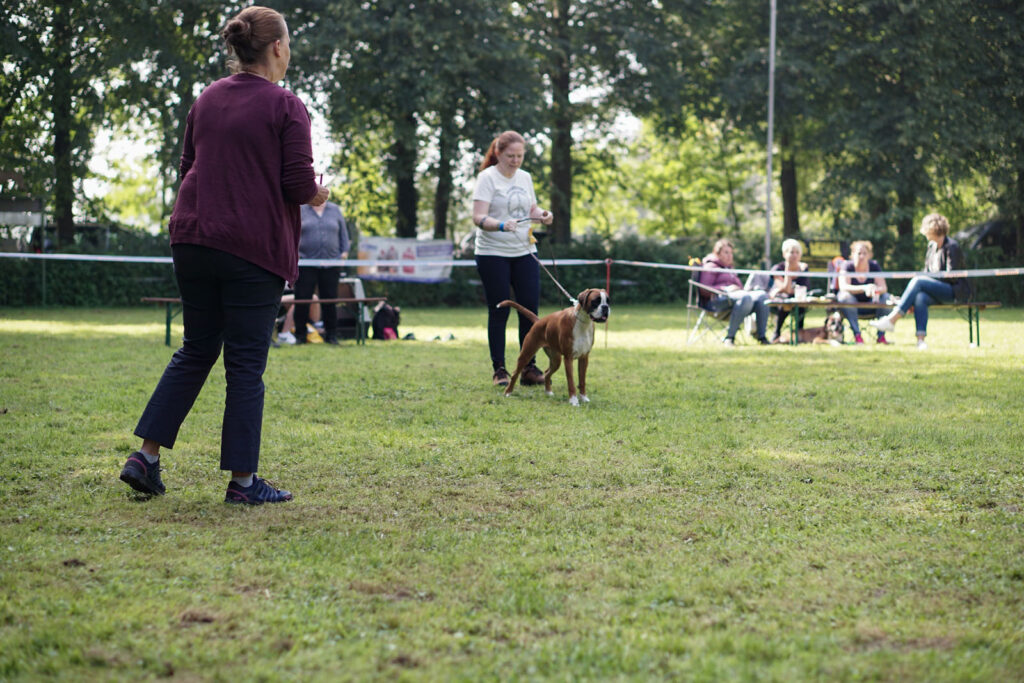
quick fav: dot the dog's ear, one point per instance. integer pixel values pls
(582, 298)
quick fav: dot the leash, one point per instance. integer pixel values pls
(527, 243)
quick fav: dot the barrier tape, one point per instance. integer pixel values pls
(893, 274)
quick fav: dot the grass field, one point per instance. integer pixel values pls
(812, 513)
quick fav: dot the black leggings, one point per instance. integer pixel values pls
(500, 275)
(326, 281)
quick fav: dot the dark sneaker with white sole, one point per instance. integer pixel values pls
(501, 378)
(259, 493)
(142, 476)
(532, 376)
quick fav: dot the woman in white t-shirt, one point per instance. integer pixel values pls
(504, 204)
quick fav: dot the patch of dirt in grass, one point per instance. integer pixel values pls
(97, 656)
(404, 661)
(875, 639)
(389, 591)
(196, 616)
(260, 591)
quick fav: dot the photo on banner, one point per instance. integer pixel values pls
(405, 260)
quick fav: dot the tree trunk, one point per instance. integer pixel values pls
(724, 155)
(561, 130)
(905, 256)
(64, 183)
(787, 180)
(1018, 214)
(404, 171)
(443, 194)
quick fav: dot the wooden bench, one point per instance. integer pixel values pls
(171, 302)
(973, 308)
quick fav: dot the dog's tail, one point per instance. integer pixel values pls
(519, 307)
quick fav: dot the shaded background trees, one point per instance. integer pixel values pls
(649, 115)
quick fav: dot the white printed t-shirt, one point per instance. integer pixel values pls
(507, 199)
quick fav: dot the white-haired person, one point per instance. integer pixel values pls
(943, 255)
(784, 286)
(857, 286)
(743, 302)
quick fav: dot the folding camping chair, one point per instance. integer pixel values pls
(708, 322)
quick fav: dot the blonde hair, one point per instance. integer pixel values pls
(248, 35)
(722, 244)
(498, 145)
(863, 243)
(935, 224)
(791, 244)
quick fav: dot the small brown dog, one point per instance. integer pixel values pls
(564, 335)
(829, 333)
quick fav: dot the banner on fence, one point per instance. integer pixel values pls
(415, 257)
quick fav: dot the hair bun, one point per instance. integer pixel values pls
(237, 30)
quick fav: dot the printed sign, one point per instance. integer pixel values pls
(405, 260)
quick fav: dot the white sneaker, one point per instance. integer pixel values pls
(882, 324)
(921, 346)
(286, 337)
(729, 343)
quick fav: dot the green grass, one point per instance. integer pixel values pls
(779, 514)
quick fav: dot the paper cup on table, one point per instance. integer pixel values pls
(799, 292)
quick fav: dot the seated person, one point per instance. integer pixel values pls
(943, 255)
(742, 302)
(856, 286)
(784, 286)
(286, 325)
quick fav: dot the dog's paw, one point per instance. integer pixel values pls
(574, 400)
(583, 397)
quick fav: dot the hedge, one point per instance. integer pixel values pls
(33, 282)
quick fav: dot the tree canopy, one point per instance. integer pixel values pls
(885, 108)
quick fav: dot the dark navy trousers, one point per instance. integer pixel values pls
(226, 302)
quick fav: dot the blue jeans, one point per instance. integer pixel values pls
(742, 302)
(500, 275)
(226, 302)
(922, 292)
(851, 313)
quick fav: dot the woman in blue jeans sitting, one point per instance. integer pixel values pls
(943, 255)
(720, 276)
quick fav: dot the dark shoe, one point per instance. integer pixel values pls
(142, 476)
(259, 493)
(763, 340)
(333, 341)
(532, 376)
(501, 377)
(301, 340)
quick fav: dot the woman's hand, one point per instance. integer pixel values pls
(546, 217)
(321, 196)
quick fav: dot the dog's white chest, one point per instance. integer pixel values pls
(582, 337)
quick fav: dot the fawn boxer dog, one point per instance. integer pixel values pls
(563, 335)
(829, 333)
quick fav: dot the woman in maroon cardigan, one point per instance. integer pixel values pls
(246, 167)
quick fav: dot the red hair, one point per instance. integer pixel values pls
(498, 145)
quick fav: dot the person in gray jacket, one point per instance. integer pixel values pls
(324, 236)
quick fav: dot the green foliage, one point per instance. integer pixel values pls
(702, 180)
(1008, 290)
(780, 514)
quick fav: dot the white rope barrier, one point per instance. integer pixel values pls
(893, 274)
